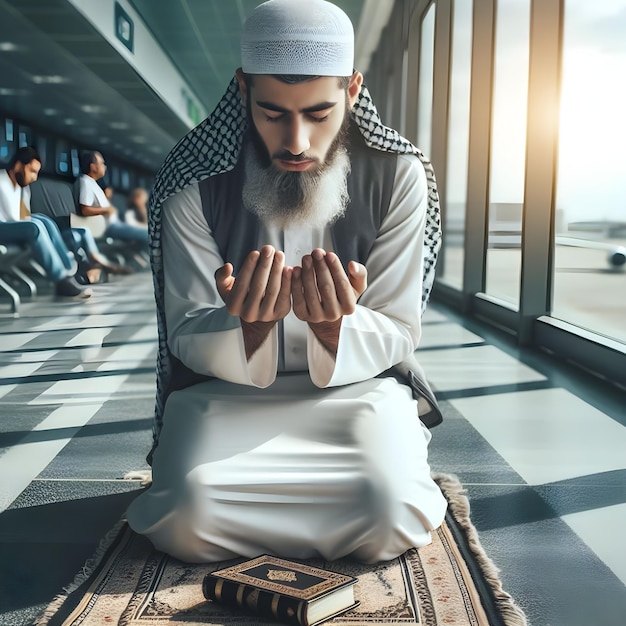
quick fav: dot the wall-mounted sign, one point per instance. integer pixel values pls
(124, 27)
(136, 44)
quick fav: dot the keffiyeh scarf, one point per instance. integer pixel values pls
(212, 148)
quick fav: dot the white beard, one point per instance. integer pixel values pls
(285, 199)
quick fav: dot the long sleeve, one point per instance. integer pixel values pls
(386, 326)
(9, 199)
(201, 332)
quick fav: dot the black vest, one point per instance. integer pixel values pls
(370, 184)
(235, 229)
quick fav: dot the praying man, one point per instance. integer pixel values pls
(288, 236)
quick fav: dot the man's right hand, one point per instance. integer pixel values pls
(260, 295)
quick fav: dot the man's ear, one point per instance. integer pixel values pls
(243, 89)
(354, 87)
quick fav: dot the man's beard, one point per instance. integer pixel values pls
(20, 179)
(314, 197)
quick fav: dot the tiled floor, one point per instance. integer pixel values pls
(541, 450)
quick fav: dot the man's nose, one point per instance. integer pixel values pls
(296, 139)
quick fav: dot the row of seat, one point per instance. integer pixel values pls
(21, 276)
(10, 256)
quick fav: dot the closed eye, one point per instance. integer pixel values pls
(314, 118)
(318, 113)
(278, 118)
(319, 120)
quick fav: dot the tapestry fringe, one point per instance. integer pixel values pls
(82, 576)
(459, 505)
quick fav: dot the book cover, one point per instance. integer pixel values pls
(285, 590)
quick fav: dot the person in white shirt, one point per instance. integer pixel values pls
(136, 212)
(288, 261)
(93, 201)
(39, 232)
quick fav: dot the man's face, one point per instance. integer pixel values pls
(98, 167)
(298, 123)
(26, 173)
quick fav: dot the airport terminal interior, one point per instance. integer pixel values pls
(519, 105)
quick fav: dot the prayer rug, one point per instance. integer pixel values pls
(451, 582)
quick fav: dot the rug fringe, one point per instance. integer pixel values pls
(459, 504)
(143, 476)
(82, 576)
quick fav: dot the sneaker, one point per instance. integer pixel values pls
(69, 288)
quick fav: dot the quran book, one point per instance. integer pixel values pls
(289, 592)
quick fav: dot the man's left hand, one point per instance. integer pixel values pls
(322, 293)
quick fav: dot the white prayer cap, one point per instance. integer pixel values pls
(307, 37)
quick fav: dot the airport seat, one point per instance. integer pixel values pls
(52, 197)
(59, 200)
(10, 256)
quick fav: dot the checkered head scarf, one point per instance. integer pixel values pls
(213, 147)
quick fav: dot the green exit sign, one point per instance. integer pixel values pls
(192, 108)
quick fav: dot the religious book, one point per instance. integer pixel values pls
(287, 591)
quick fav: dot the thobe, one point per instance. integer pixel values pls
(293, 452)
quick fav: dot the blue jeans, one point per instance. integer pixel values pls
(44, 238)
(81, 238)
(128, 232)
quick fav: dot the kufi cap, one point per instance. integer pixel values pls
(307, 37)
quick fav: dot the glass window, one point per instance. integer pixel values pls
(75, 161)
(6, 140)
(590, 231)
(508, 149)
(62, 158)
(125, 180)
(425, 83)
(114, 176)
(401, 127)
(458, 143)
(144, 182)
(24, 136)
(388, 118)
(41, 144)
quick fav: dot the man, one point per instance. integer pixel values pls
(281, 430)
(49, 198)
(39, 232)
(93, 201)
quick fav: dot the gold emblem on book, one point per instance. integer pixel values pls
(285, 576)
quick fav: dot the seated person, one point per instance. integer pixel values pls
(81, 239)
(39, 232)
(54, 199)
(291, 264)
(137, 210)
(93, 201)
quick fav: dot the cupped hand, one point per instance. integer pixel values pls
(321, 290)
(261, 292)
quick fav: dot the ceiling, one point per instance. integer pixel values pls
(57, 71)
(202, 37)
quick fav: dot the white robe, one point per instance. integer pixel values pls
(321, 460)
